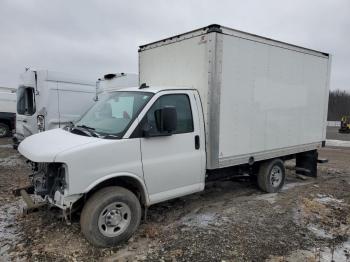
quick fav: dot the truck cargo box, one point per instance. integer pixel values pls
(261, 98)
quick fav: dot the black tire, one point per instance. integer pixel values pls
(4, 130)
(89, 219)
(266, 178)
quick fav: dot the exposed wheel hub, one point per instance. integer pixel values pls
(114, 219)
(276, 176)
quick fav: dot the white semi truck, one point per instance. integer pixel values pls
(213, 102)
(7, 111)
(48, 99)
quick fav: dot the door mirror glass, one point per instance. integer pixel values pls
(166, 119)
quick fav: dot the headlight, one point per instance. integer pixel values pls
(41, 123)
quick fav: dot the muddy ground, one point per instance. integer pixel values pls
(230, 221)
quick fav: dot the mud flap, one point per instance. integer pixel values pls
(306, 163)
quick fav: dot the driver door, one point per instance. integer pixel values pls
(173, 164)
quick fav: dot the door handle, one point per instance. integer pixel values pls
(196, 142)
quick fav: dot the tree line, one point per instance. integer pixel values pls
(338, 104)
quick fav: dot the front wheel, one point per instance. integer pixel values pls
(271, 176)
(110, 216)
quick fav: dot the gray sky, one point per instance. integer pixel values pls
(98, 37)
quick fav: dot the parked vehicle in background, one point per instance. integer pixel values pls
(48, 100)
(345, 124)
(117, 81)
(213, 103)
(7, 111)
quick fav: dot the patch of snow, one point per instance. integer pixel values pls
(11, 161)
(292, 185)
(339, 254)
(271, 197)
(319, 232)
(6, 146)
(200, 220)
(9, 232)
(328, 199)
(337, 143)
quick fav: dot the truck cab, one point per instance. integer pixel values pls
(149, 141)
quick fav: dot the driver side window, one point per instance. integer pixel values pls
(183, 109)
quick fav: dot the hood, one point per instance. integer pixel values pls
(44, 147)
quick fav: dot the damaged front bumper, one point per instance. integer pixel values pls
(49, 181)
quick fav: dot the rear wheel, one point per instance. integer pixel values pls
(271, 176)
(110, 216)
(4, 130)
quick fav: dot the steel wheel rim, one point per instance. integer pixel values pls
(114, 219)
(2, 131)
(276, 176)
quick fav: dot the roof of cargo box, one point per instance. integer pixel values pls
(233, 32)
(151, 89)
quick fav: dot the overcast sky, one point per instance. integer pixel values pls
(98, 37)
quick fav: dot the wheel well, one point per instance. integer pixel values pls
(6, 122)
(129, 183)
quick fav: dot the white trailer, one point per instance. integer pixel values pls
(214, 102)
(48, 99)
(7, 111)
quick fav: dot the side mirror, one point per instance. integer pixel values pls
(166, 119)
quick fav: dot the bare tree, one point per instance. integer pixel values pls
(338, 105)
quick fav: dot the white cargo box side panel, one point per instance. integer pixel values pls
(183, 63)
(271, 98)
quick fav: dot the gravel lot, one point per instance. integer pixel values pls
(332, 133)
(230, 221)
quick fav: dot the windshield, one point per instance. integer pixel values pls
(25, 100)
(112, 114)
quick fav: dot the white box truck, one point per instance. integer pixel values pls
(7, 111)
(214, 102)
(48, 99)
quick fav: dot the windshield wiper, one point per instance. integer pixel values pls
(86, 127)
(90, 130)
(110, 136)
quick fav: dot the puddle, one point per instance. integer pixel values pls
(9, 232)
